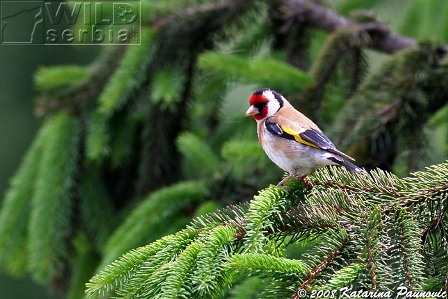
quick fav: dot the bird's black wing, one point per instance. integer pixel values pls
(309, 137)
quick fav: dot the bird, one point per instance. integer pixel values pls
(291, 140)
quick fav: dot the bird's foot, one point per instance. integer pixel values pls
(307, 182)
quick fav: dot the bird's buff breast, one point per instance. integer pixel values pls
(291, 156)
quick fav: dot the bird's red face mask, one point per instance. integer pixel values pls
(258, 106)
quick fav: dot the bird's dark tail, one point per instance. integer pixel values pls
(348, 165)
(352, 167)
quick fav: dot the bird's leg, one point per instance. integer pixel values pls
(302, 177)
(282, 182)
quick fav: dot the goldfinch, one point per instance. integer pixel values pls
(290, 139)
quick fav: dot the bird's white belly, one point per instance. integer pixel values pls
(292, 156)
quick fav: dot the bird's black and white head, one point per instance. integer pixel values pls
(264, 103)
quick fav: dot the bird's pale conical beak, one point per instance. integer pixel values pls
(252, 111)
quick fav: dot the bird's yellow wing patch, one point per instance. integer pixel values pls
(297, 137)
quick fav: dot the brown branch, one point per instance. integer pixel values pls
(403, 199)
(432, 225)
(365, 186)
(309, 12)
(405, 260)
(313, 274)
(446, 282)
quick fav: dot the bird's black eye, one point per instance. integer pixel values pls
(260, 106)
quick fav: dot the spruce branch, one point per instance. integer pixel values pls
(175, 287)
(211, 278)
(49, 222)
(194, 12)
(142, 224)
(80, 91)
(309, 12)
(372, 236)
(336, 246)
(259, 262)
(435, 222)
(16, 208)
(341, 43)
(302, 11)
(125, 268)
(408, 245)
(259, 218)
(238, 240)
